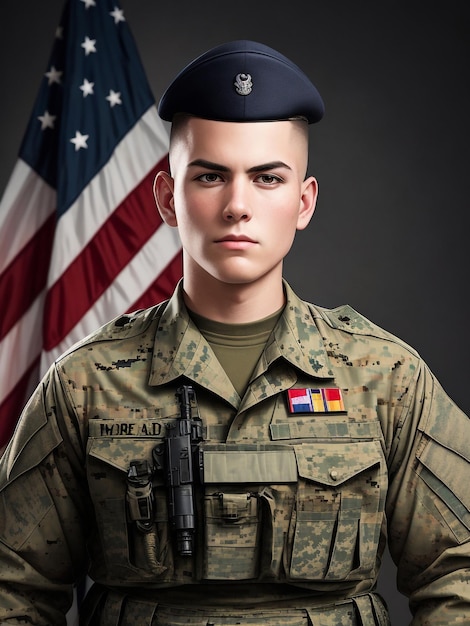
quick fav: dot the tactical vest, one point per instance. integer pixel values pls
(296, 508)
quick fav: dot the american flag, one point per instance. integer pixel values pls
(80, 237)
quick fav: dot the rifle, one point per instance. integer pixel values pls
(181, 460)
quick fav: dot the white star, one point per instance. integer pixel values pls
(89, 45)
(87, 88)
(118, 15)
(79, 140)
(47, 120)
(89, 3)
(114, 97)
(53, 75)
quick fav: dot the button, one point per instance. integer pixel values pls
(333, 474)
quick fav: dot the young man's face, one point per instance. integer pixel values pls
(237, 195)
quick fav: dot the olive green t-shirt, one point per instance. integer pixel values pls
(237, 346)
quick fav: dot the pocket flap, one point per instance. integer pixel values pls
(334, 463)
(41, 435)
(119, 452)
(249, 464)
(448, 467)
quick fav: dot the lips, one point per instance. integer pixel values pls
(236, 243)
(236, 238)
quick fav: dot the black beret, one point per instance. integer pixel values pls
(242, 81)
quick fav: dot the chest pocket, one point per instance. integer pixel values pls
(245, 521)
(335, 524)
(129, 555)
(305, 512)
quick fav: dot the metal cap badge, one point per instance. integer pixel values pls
(243, 84)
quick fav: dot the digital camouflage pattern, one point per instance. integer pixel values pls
(295, 507)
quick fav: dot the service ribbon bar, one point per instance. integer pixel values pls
(328, 400)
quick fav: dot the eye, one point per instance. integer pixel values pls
(269, 179)
(209, 177)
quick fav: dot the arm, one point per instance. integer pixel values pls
(42, 507)
(429, 505)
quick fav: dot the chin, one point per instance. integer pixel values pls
(229, 280)
(240, 278)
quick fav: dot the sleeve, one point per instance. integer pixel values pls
(428, 506)
(42, 511)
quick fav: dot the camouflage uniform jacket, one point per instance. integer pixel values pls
(298, 498)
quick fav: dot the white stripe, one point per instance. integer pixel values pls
(21, 346)
(300, 400)
(26, 204)
(128, 286)
(140, 150)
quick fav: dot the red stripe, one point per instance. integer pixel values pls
(14, 403)
(163, 286)
(26, 276)
(110, 250)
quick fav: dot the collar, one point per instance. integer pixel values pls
(180, 349)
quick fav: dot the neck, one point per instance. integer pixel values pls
(234, 303)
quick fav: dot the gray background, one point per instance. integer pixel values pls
(389, 235)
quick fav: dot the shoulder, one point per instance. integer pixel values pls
(344, 324)
(346, 319)
(123, 327)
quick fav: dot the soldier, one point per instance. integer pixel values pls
(236, 455)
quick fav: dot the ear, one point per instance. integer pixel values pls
(308, 202)
(163, 187)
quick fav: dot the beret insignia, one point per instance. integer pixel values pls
(243, 84)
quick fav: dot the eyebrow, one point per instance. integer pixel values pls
(223, 168)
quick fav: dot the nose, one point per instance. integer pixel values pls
(237, 206)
